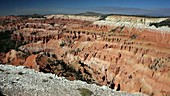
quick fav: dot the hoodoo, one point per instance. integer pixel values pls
(124, 53)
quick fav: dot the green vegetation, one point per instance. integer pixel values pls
(113, 30)
(62, 44)
(20, 73)
(31, 16)
(54, 56)
(160, 24)
(103, 17)
(36, 52)
(85, 92)
(44, 80)
(134, 36)
(67, 70)
(3, 22)
(89, 14)
(158, 63)
(5, 42)
(49, 60)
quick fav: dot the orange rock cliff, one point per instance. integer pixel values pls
(122, 52)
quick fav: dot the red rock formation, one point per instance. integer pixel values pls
(122, 57)
(13, 57)
(31, 62)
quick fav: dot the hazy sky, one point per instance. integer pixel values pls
(145, 7)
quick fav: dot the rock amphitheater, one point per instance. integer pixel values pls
(124, 53)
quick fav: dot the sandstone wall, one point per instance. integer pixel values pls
(126, 58)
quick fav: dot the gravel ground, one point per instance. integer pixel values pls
(19, 81)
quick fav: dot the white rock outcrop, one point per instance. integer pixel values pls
(19, 81)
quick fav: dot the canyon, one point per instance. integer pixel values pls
(122, 52)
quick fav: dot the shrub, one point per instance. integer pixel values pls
(85, 92)
(134, 36)
(160, 24)
(54, 56)
(62, 44)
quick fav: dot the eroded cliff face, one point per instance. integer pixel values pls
(127, 58)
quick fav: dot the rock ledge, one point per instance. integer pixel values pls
(19, 81)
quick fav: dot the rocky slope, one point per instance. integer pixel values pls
(19, 81)
(121, 52)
